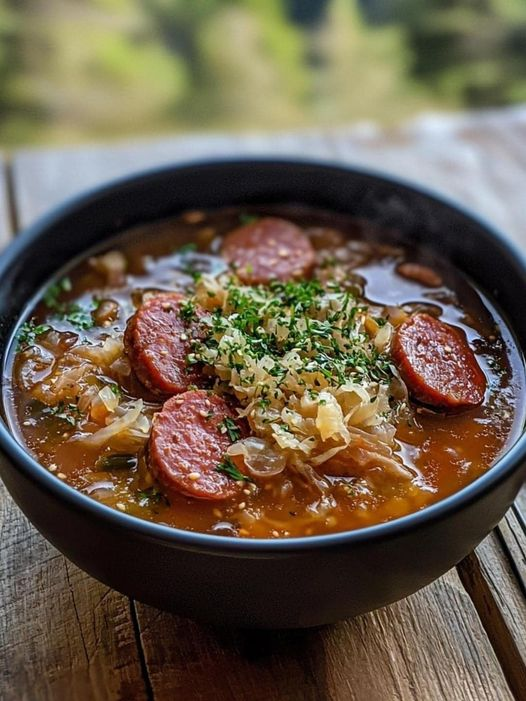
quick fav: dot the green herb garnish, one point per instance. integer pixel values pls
(78, 316)
(227, 467)
(28, 333)
(230, 427)
(270, 345)
(65, 412)
(196, 275)
(54, 291)
(187, 311)
(305, 335)
(73, 313)
(191, 270)
(189, 265)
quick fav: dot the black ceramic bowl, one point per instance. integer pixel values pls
(261, 583)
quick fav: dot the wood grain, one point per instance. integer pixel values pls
(489, 576)
(430, 646)
(63, 635)
(433, 645)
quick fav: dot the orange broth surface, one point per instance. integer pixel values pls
(443, 452)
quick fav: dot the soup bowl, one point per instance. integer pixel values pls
(294, 582)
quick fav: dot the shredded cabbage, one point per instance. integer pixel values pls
(308, 365)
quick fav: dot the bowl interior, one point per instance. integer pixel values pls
(413, 216)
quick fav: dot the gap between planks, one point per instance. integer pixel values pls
(500, 615)
(495, 577)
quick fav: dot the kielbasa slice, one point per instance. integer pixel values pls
(269, 249)
(157, 341)
(187, 444)
(437, 364)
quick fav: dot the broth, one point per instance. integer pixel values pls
(438, 452)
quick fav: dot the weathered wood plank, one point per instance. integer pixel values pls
(489, 577)
(430, 646)
(521, 500)
(512, 530)
(62, 634)
(469, 159)
(59, 174)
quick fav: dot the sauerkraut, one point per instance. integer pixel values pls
(308, 364)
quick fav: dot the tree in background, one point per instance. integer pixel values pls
(245, 58)
(360, 71)
(74, 69)
(473, 51)
(92, 66)
(306, 14)
(20, 111)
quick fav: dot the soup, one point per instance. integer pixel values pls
(264, 372)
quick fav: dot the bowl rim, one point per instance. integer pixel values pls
(179, 538)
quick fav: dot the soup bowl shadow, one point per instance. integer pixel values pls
(289, 583)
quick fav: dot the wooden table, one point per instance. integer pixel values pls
(65, 636)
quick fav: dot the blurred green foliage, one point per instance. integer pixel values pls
(473, 51)
(78, 69)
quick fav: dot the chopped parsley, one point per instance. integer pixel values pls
(323, 330)
(299, 359)
(116, 390)
(78, 316)
(227, 467)
(189, 265)
(196, 275)
(230, 427)
(187, 311)
(53, 293)
(28, 333)
(65, 412)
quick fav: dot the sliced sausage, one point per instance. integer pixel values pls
(269, 249)
(187, 445)
(437, 364)
(157, 341)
